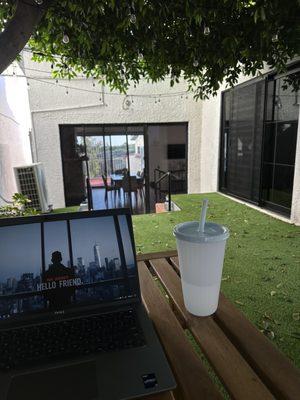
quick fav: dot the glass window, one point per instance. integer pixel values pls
(267, 182)
(287, 107)
(270, 101)
(283, 185)
(286, 140)
(269, 142)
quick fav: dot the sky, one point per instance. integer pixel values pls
(88, 232)
(20, 245)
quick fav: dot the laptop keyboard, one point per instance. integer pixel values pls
(28, 346)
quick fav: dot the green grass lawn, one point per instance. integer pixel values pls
(262, 263)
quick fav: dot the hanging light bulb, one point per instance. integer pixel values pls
(206, 30)
(132, 18)
(140, 57)
(39, 2)
(195, 63)
(94, 82)
(275, 38)
(65, 39)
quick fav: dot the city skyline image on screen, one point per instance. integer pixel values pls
(58, 264)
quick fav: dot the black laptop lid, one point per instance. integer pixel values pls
(57, 264)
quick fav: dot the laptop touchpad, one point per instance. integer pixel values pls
(76, 382)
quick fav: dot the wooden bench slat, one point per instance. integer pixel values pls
(233, 370)
(192, 377)
(175, 263)
(275, 369)
(159, 254)
(281, 376)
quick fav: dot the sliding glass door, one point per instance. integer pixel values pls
(92, 155)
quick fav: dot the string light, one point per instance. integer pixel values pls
(65, 39)
(132, 18)
(196, 63)
(55, 82)
(140, 57)
(206, 30)
(275, 38)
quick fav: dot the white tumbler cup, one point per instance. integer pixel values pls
(201, 257)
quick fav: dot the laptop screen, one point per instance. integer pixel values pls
(53, 264)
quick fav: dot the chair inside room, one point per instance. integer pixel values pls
(108, 188)
(129, 185)
(141, 181)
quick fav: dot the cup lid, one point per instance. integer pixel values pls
(189, 232)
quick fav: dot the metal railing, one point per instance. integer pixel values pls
(165, 176)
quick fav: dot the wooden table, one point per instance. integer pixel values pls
(245, 361)
(119, 177)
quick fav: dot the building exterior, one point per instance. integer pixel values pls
(259, 131)
(244, 142)
(14, 130)
(57, 115)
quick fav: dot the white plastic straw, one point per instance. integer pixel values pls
(203, 215)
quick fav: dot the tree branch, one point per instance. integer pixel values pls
(19, 30)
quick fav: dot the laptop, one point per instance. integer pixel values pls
(72, 324)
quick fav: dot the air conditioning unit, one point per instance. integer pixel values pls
(31, 182)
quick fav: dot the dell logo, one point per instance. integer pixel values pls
(59, 312)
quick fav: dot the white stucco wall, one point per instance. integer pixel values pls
(14, 130)
(51, 106)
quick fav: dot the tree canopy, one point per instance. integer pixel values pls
(118, 41)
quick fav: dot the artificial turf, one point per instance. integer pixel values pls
(261, 272)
